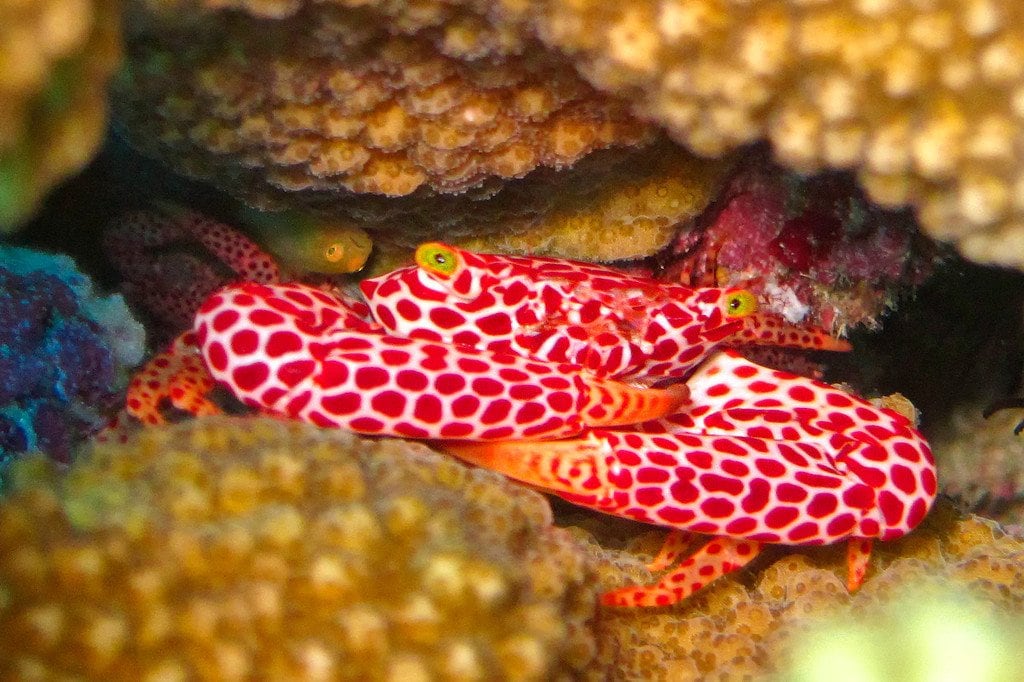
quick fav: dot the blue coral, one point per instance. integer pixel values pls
(65, 353)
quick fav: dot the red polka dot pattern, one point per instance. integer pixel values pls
(514, 350)
(837, 480)
(306, 354)
(613, 324)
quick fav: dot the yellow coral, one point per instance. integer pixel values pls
(239, 548)
(327, 101)
(608, 209)
(55, 59)
(612, 205)
(747, 625)
(925, 100)
(232, 549)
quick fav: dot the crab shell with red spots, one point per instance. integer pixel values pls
(518, 364)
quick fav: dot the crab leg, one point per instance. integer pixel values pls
(720, 556)
(308, 354)
(758, 455)
(170, 284)
(177, 373)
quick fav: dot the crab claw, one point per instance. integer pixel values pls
(765, 329)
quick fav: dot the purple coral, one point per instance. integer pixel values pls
(61, 366)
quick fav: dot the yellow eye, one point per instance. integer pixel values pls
(438, 258)
(740, 304)
(334, 252)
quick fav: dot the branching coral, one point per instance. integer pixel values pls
(231, 549)
(64, 354)
(55, 59)
(923, 99)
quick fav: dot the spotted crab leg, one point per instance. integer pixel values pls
(758, 455)
(307, 354)
(173, 285)
(178, 374)
(720, 556)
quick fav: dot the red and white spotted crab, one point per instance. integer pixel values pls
(171, 259)
(607, 389)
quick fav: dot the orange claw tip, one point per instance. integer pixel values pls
(858, 554)
(613, 403)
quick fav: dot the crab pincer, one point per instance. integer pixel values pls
(757, 456)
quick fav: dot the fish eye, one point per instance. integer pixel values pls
(334, 252)
(740, 303)
(439, 259)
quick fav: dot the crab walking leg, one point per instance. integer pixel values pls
(720, 556)
(675, 543)
(308, 354)
(173, 285)
(858, 554)
(178, 374)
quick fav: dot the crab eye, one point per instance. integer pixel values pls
(334, 252)
(439, 259)
(740, 304)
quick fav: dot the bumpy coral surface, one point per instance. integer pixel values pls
(64, 354)
(230, 549)
(328, 100)
(611, 205)
(920, 637)
(814, 249)
(982, 461)
(746, 626)
(923, 99)
(55, 59)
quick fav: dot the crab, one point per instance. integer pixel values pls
(172, 258)
(613, 391)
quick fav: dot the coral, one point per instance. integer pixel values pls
(813, 248)
(64, 354)
(230, 547)
(748, 625)
(622, 208)
(55, 59)
(918, 637)
(982, 461)
(611, 205)
(327, 100)
(244, 548)
(924, 100)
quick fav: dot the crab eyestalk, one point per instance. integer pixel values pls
(754, 326)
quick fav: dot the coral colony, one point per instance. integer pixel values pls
(65, 353)
(426, 252)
